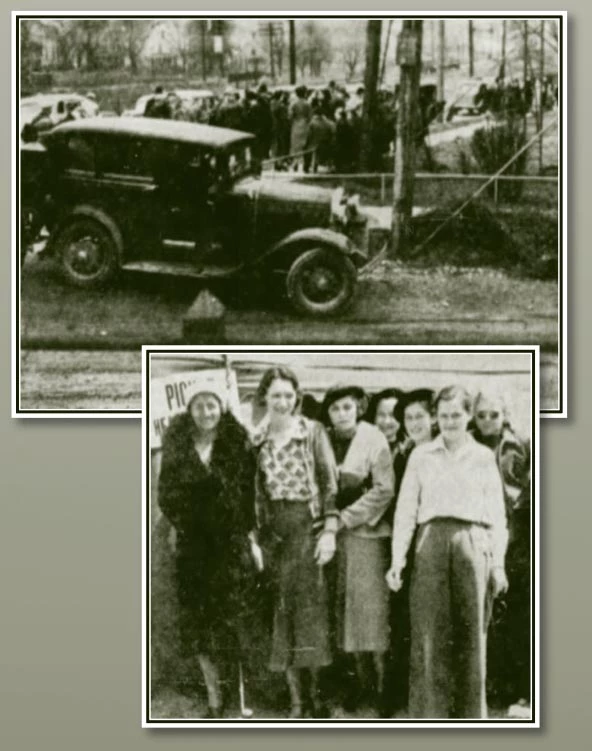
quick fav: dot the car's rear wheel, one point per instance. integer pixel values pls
(87, 252)
(321, 282)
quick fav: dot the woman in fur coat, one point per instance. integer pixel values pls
(206, 490)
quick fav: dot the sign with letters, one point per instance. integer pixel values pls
(168, 397)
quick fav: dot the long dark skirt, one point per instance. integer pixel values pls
(300, 637)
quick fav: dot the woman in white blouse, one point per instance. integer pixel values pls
(452, 494)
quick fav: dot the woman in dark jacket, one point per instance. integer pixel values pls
(206, 490)
(509, 645)
(406, 419)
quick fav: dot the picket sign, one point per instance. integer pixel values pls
(167, 397)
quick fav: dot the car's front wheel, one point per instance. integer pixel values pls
(321, 282)
(87, 252)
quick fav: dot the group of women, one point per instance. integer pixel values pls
(408, 492)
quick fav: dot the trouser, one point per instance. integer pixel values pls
(448, 620)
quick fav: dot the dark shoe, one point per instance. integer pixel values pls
(317, 709)
(384, 706)
(354, 700)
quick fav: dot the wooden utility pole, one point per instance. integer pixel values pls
(292, 28)
(373, 34)
(471, 50)
(541, 90)
(441, 65)
(407, 124)
(503, 64)
(385, 52)
(525, 70)
(204, 54)
(271, 60)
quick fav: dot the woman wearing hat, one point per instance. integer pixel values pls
(206, 492)
(451, 500)
(405, 418)
(366, 486)
(295, 488)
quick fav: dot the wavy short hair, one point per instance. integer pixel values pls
(448, 393)
(278, 373)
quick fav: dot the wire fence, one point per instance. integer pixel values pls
(432, 189)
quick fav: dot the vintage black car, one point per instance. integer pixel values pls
(187, 199)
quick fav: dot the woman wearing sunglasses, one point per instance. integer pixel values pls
(509, 645)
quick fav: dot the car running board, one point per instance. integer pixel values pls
(195, 270)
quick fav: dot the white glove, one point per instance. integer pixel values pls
(393, 579)
(257, 554)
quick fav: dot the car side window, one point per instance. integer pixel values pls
(80, 153)
(189, 167)
(127, 156)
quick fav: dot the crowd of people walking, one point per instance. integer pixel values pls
(376, 539)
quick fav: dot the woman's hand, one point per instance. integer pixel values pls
(325, 549)
(498, 581)
(393, 579)
(257, 555)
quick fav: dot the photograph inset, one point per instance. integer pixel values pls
(193, 180)
(340, 537)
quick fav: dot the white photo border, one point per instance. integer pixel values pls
(17, 411)
(535, 720)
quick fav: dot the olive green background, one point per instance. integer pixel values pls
(70, 531)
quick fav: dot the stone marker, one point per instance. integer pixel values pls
(204, 321)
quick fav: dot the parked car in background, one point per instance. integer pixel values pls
(188, 100)
(45, 111)
(468, 97)
(185, 199)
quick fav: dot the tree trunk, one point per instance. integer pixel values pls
(405, 140)
(373, 33)
(292, 52)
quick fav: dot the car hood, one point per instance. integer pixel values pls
(283, 190)
(381, 217)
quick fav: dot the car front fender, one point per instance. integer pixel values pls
(306, 238)
(90, 212)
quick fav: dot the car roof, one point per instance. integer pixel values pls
(193, 92)
(149, 127)
(45, 99)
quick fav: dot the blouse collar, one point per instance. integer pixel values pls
(298, 430)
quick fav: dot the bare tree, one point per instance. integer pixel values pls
(351, 56)
(86, 38)
(176, 33)
(134, 33)
(313, 48)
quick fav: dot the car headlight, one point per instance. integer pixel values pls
(352, 208)
(345, 209)
(337, 204)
